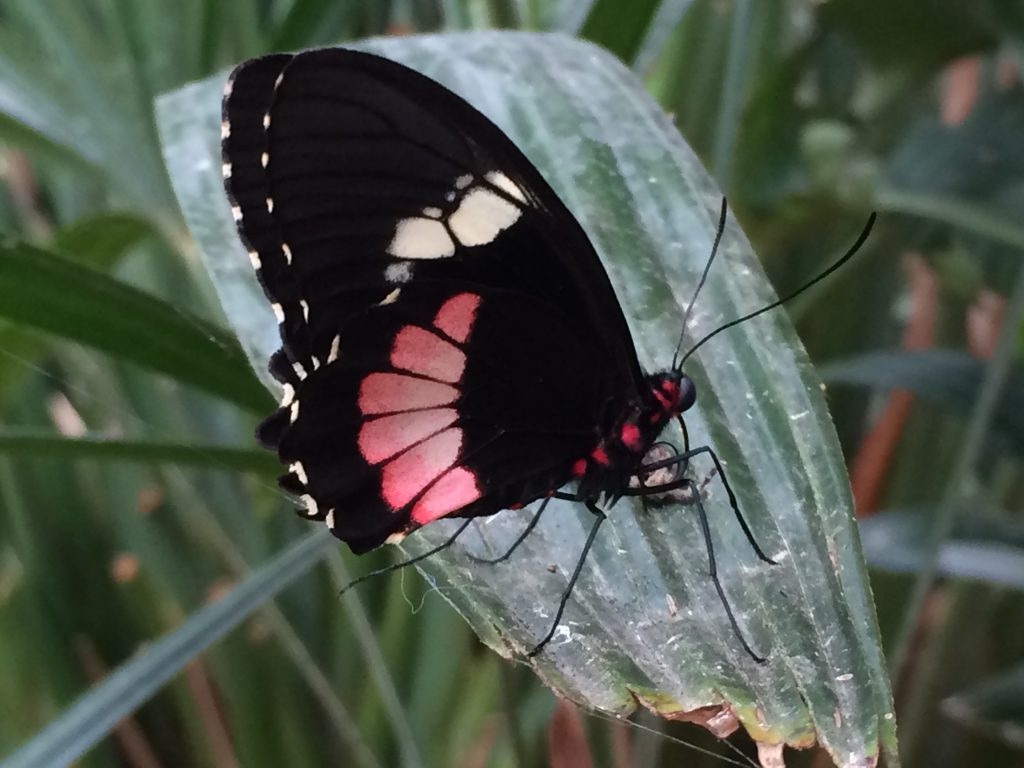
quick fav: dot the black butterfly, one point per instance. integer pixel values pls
(452, 345)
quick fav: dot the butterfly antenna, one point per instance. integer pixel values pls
(700, 283)
(845, 258)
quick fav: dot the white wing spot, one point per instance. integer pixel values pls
(299, 371)
(270, 205)
(450, 196)
(265, 159)
(316, 362)
(266, 117)
(481, 215)
(310, 502)
(305, 309)
(335, 347)
(288, 394)
(391, 298)
(463, 181)
(225, 130)
(399, 272)
(395, 538)
(300, 472)
(505, 184)
(287, 253)
(278, 311)
(432, 212)
(421, 239)
(225, 170)
(329, 519)
(294, 412)
(277, 82)
(254, 259)
(236, 213)
(229, 86)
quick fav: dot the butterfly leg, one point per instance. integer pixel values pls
(411, 561)
(600, 518)
(522, 537)
(732, 500)
(713, 570)
(686, 483)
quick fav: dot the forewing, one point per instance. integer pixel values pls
(352, 175)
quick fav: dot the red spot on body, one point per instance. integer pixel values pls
(580, 467)
(393, 392)
(454, 490)
(630, 436)
(664, 401)
(419, 351)
(456, 316)
(600, 456)
(667, 395)
(404, 477)
(383, 437)
(517, 505)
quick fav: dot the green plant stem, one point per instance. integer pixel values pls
(962, 479)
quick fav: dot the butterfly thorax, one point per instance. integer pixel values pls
(607, 470)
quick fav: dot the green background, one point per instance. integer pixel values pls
(806, 114)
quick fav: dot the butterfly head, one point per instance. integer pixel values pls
(671, 393)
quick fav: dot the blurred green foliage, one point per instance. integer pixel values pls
(808, 113)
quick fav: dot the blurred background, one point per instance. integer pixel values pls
(118, 517)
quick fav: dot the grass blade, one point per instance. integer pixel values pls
(90, 718)
(98, 448)
(46, 291)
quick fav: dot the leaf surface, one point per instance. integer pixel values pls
(644, 624)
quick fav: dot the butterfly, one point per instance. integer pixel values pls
(451, 343)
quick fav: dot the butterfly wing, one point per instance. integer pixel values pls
(451, 342)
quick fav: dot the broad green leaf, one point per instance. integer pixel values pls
(644, 624)
(94, 714)
(46, 291)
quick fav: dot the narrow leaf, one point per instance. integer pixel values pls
(100, 241)
(895, 540)
(91, 717)
(54, 294)
(620, 27)
(949, 377)
(994, 707)
(98, 448)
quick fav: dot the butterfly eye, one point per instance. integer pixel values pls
(687, 393)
